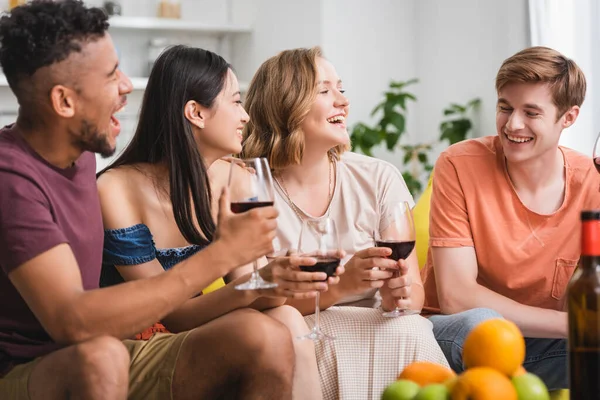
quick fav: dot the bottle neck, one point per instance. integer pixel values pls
(590, 238)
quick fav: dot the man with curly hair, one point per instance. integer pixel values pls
(60, 335)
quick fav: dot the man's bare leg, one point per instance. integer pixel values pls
(306, 377)
(94, 370)
(243, 354)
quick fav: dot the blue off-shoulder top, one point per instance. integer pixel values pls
(134, 245)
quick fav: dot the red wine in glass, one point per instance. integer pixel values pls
(400, 249)
(251, 186)
(323, 264)
(319, 239)
(399, 236)
(597, 164)
(240, 207)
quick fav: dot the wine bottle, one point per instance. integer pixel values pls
(583, 300)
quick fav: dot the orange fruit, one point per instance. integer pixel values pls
(450, 383)
(520, 371)
(425, 373)
(483, 383)
(495, 343)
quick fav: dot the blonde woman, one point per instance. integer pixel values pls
(298, 112)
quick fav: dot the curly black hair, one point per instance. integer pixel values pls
(43, 32)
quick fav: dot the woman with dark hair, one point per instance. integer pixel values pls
(158, 208)
(298, 122)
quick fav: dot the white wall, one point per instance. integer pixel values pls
(461, 45)
(371, 43)
(277, 25)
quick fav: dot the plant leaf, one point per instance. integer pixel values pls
(388, 109)
(402, 102)
(411, 96)
(371, 137)
(366, 150)
(460, 109)
(476, 102)
(412, 183)
(377, 108)
(397, 84)
(456, 130)
(398, 121)
(449, 111)
(391, 140)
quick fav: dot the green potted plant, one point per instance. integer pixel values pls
(391, 125)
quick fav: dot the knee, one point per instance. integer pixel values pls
(458, 326)
(264, 330)
(264, 336)
(290, 317)
(103, 357)
(471, 318)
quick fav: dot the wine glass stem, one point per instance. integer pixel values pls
(316, 328)
(255, 275)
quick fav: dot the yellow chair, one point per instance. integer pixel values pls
(218, 284)
(421, 216)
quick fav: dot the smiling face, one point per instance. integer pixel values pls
(527, 121)
(325, 124)
(99, 92)
(223, 123)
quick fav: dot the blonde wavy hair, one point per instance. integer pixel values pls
(279, 97)
(546, 65)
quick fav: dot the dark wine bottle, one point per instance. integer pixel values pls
(583, 300)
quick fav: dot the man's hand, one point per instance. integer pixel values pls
(367, 269)
(245, 236)
(397, 290)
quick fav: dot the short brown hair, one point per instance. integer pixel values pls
(279, 97)
(545, 65)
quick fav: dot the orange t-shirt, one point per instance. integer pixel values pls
(521, 255)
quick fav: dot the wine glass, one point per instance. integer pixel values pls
(319, 239)
(596, 154)
(397, 231)
(251, 186)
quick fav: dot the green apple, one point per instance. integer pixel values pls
(437, 391)
(530, 387)
(402, 389)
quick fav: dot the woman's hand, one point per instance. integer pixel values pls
(397, 291)
(294, 283)
(367, 269)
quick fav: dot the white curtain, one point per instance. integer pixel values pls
(573, 28)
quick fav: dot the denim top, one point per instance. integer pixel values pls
(134, 245)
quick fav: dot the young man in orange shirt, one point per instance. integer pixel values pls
(504, 232)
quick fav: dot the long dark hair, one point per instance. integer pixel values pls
(164, 135)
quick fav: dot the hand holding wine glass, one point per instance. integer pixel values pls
(398, 234)
(248, 233)
(367, 269)
(251, 186)
(294, 279)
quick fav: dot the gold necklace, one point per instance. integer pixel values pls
(293, 205)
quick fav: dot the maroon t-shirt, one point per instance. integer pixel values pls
(41, 206)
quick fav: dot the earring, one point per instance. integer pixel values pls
(201, 126)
